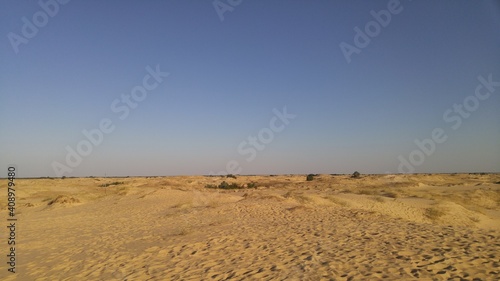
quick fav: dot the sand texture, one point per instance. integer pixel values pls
(390, 227)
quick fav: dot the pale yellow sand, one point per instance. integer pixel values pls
(396, 227)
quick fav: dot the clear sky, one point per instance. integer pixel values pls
(233, 68)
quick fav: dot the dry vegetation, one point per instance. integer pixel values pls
(434, 213)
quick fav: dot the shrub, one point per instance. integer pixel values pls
(230, 185)
(310, 177)
(231, 176)
(433, 213)
(112, 183)
(356, 175)
(252, 185)
(225, 185)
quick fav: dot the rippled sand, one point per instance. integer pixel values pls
(398, 227)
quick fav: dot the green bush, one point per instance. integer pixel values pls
(356, 175)
(310, 177)
(231, 176)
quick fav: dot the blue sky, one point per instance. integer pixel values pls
(226, 77)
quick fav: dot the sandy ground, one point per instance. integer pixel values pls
(396, 227)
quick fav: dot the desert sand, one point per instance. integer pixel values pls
(391, 227)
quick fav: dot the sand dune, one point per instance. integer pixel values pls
(398, 227)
